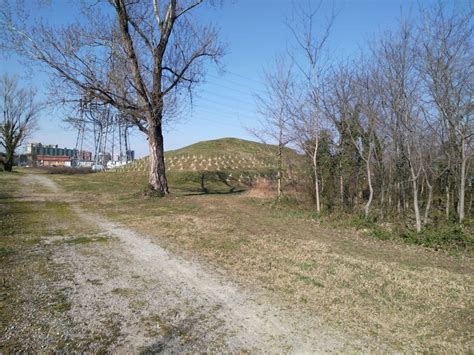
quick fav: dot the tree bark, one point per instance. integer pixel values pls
(462, 183)
(369, 181)
(399, 198)
(470, 204)
(382, 198)
(8, 166)
(428, 202)
(416, 207)
(157, 174)
(280, 168)
(316, 178)
(447, 202)
(341, 187)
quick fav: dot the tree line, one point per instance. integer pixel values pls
(389, 134)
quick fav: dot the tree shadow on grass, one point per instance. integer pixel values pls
(214, 177)
(207, 192)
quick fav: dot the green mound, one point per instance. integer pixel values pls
(226, 155)
(219, 166)
(221, 146)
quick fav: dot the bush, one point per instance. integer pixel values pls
(446, 236)
(452, 236)
(361, 222)
(381, 234)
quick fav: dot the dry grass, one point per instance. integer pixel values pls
(409, 297)
(261, 190)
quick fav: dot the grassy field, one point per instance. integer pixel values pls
(407, 296)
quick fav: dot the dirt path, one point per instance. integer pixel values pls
(146, 299)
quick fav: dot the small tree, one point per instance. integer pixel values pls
(310, 61)
(399, 88)
(367, 121)
(19, 113)
(274, 106)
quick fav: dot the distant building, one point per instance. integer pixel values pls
(38, 154)
(53, 160)
(84, 155)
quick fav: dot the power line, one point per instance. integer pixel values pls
(242, 77)
(237, 90)
(225, 97)
(228, 107)
(247, 86)
(221, 124)
(229, 115)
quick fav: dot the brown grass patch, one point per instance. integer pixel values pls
(263, 189)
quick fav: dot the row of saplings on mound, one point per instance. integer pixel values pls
(200, 163)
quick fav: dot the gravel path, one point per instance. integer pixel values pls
(143, 298)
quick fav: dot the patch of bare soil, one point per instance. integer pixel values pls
(128, 294)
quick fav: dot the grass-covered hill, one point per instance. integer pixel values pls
(230, 161)
(226, 154)
(225, 146)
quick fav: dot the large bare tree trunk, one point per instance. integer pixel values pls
(8, 165)
(157, 174)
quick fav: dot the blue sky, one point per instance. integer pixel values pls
(255, 32)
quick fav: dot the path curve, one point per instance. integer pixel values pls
(217, 314)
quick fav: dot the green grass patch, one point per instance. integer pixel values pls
(6, 252)
(84, 240)
(309, 280)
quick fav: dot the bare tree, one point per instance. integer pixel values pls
(274, 107)
(306, 129)
(447, 67)
(339, 103)
(20, 112)
(352, 102)
(399, 87)
(368, 117)
(138, 58)
(309, 59)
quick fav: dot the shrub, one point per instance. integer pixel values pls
(451, 236)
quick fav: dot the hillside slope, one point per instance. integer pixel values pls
(226, 154)
(226, 146)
